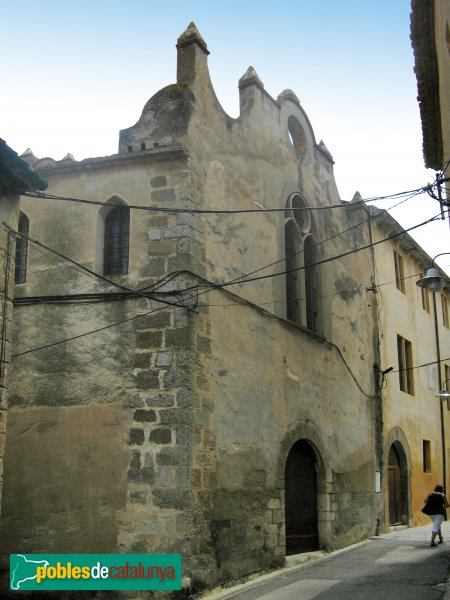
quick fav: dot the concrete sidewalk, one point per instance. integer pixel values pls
(300, 561)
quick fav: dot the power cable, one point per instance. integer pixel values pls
(240, 279)
(166, 209)
(435, 362)
(212, 286)
(85, 269)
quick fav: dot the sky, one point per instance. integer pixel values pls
(75, 73)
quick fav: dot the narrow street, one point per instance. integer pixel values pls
(395, 566)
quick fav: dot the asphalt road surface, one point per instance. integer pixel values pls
(396, 566)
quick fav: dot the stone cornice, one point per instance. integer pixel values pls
(49, 166)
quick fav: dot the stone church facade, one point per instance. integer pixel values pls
(195, 381)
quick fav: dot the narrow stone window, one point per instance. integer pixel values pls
(426, 456)
(302, 274)
(311, 294)
(20, 274)
(425, 296)
(447, 378)
(130, 148)
(447, 37)
(399, 272)
(292, 284)
(405, 365)
(116, 241)
(444, 303)
(143, 146)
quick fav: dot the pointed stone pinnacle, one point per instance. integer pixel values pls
(325, 149)
(357, 197)
(191, 35)
(250, 76)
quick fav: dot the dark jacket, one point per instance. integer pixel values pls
(435, 504)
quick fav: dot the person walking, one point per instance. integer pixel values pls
(435, 504)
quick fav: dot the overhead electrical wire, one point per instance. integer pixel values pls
(108, 296)
(434, 362)
(240, 279)
(212, 286)
(168, 209)
(89, 271)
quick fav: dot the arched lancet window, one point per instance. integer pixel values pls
(302, 278)
(20, 274)
(311, 284)
(117, 238)
(292, 284)
(113, 237)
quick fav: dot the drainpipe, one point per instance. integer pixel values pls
(441, 404)
(379, 377)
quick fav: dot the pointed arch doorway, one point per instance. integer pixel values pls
(397, 485)
(301, 511)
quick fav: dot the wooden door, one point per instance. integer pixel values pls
(395, 489)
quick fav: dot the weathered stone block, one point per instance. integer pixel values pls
(135, 460)
(158, 181)
(179, 338)
(136, 436)
(158, 320)
(158, 220)
(175, 378)
(161, 436)
(167, 195)
(274, 503)
(173, 456)
(178, 231)
(277, 516)
(164, 359)
(187, 435)
(192, 220)
(148, 339)
(181, 262)
(185, 397)
(166, 476)
(147, 379)
(160, 400)
(142, 360)
(143, 475)
(154, 267)
(187, 245)
(133, 402)
(145, 416)
(154, 233)
(161, 247)
(170, 499)
(175, 416)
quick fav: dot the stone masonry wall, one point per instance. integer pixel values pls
(9, 214)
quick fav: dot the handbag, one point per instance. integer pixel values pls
(426, 509)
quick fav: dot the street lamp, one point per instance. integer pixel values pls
(444, 394)
(434, 282)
